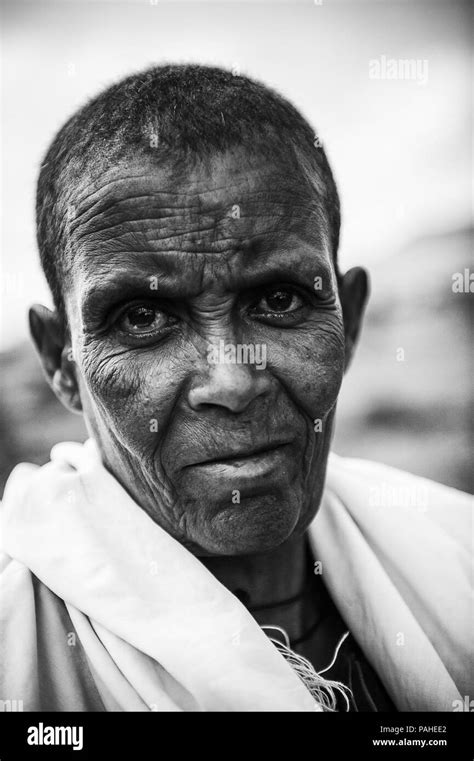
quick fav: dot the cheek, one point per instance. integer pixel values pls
(131, 395)
(311, 369)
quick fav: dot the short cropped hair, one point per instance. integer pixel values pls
(171, 112)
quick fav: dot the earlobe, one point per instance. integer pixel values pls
(354, 293)
(47, 337)
(53, 347)
(65, 387)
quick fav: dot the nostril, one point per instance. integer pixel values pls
(229, 386)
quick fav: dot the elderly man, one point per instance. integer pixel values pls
(202, 551)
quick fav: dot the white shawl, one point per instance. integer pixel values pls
(159, 632)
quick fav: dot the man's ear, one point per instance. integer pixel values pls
(353, 292)
(54, 348)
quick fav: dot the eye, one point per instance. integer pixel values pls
(281, 300)
(142, 320)
(280, 303)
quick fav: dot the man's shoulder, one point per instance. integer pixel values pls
(374, 471)
(383, 490)
(393, 484)
(20, 590)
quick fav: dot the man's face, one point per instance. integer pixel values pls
(208, 338)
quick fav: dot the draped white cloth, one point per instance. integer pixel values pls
(100, 609)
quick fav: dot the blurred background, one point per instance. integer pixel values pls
(400, 147)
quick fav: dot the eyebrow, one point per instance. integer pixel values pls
(126, 282)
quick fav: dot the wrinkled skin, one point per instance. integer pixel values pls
(150, 397)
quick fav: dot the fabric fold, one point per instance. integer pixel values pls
(90, 543)
(160, 633)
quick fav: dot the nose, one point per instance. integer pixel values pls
(231, 386)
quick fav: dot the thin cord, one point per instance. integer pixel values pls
(343, 639)
(280, 603)
(323, 690)
(279, 629)
(308, 632)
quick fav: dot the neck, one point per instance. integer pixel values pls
(261, 582)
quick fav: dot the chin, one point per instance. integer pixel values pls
(257, 525)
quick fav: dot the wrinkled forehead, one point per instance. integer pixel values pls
(233, 209)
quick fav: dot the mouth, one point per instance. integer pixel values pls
(243, 455)
(247, 468)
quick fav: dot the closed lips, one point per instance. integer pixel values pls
(242, 454)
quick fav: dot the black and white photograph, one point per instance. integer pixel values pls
(236, 349)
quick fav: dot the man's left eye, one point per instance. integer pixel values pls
(280, 301)
(142, 319)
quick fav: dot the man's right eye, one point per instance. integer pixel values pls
(142, 320)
